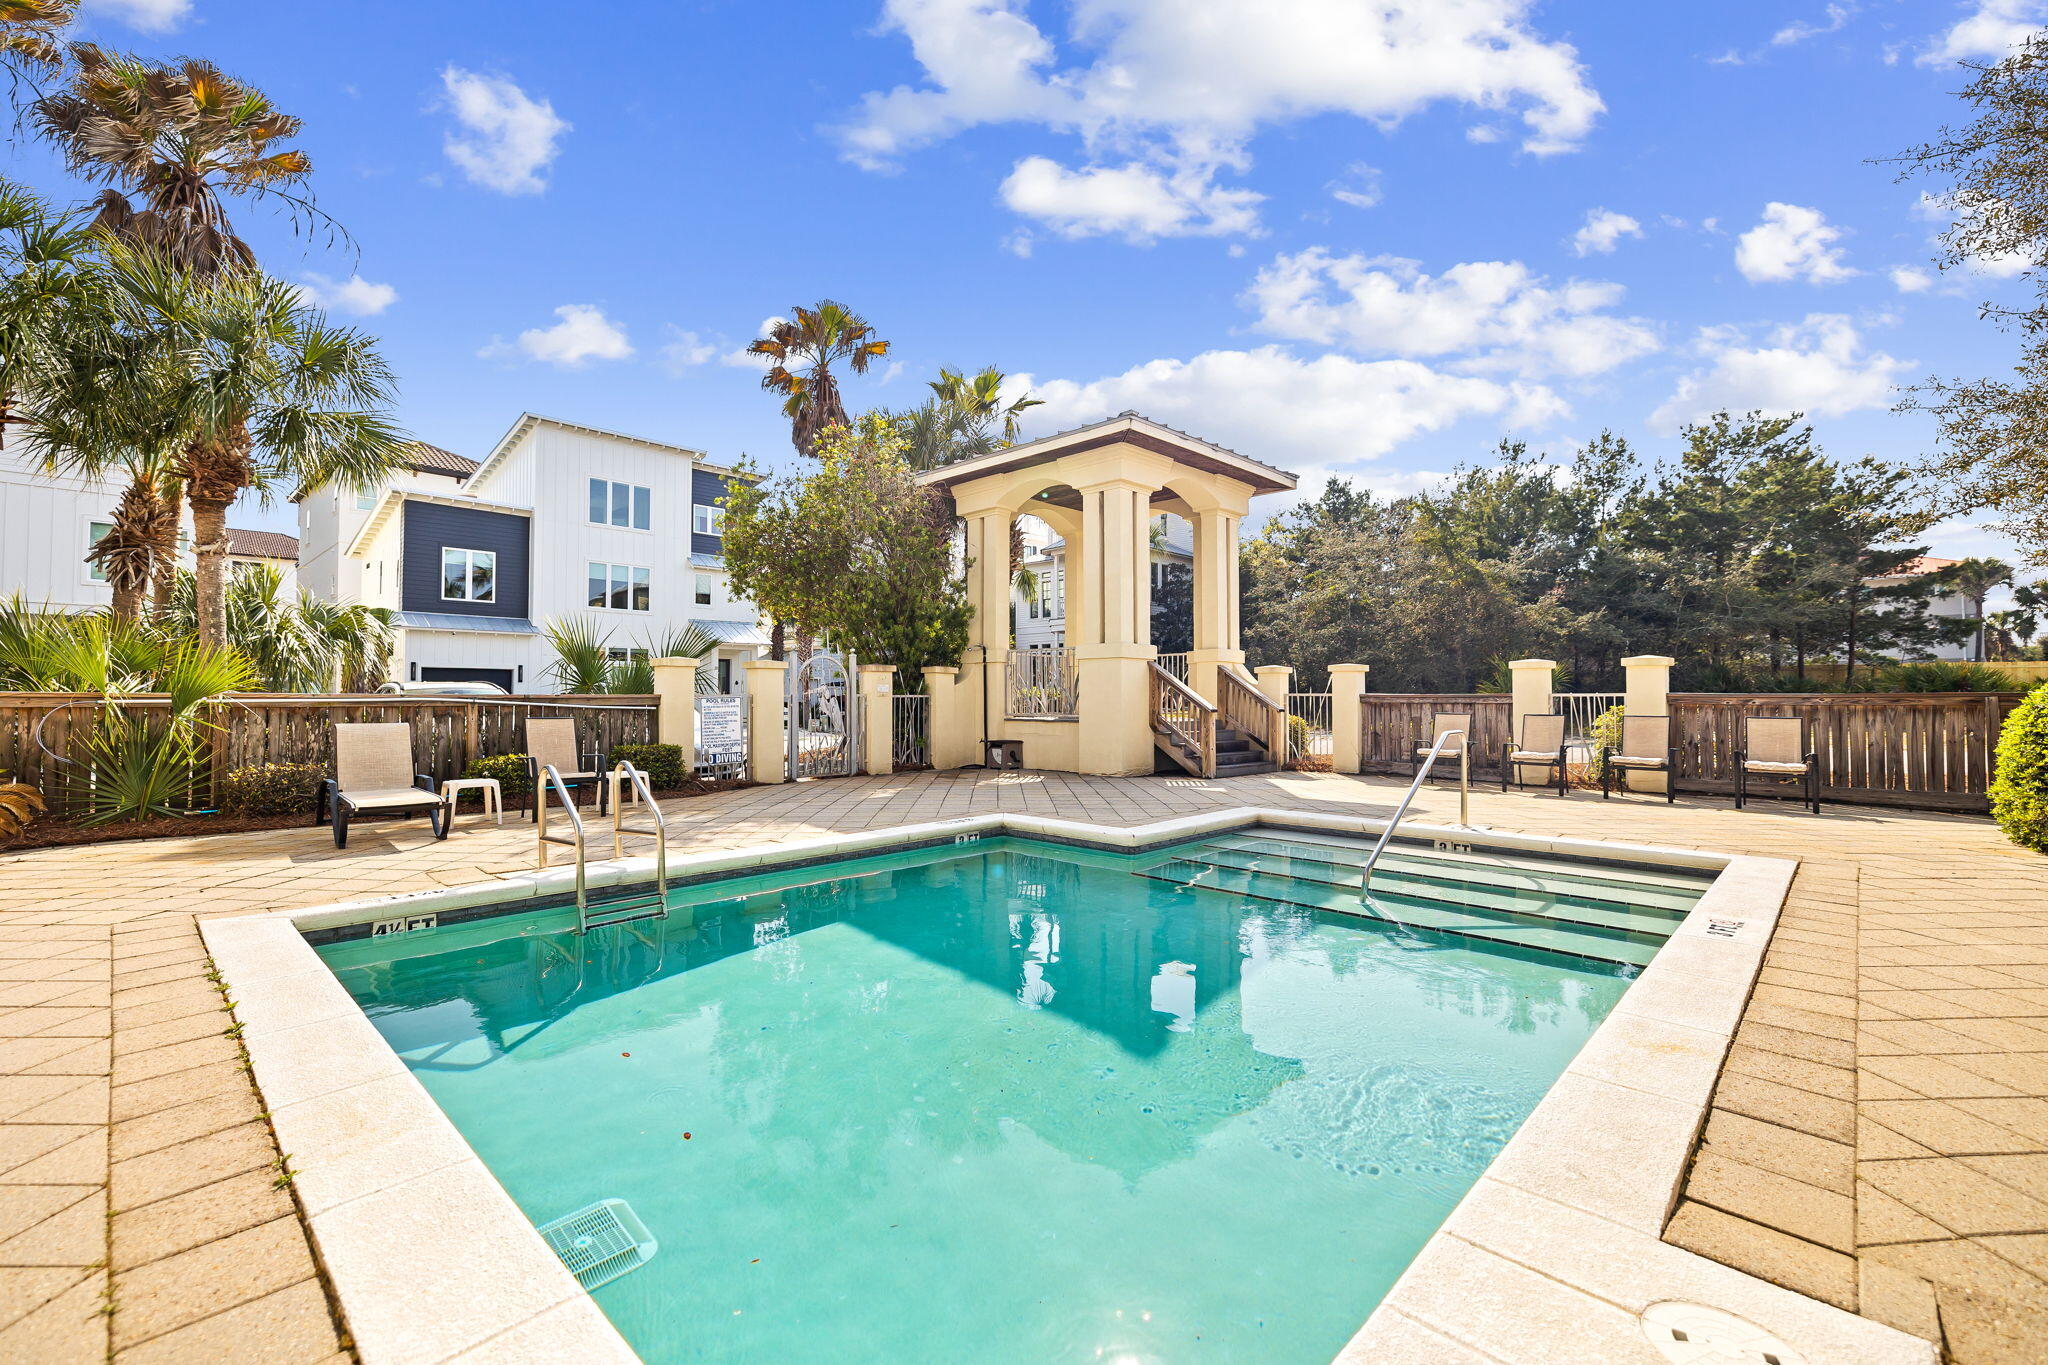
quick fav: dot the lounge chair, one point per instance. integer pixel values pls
(1453, 750)
(1645, 748)
(1542, 746)
(374, 775)
(553, 742)
(1777, 747)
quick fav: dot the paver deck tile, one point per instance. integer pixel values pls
(1899, 1031)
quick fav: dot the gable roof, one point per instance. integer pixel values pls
(1129, 427)
(529, 420)
(262, 544)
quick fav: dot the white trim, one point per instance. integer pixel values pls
(610, 580)
(631, 489)
(996, 460)
(469, 565)
(1551, 1255)
(527, 421)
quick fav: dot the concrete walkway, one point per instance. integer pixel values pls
(1879, 1136)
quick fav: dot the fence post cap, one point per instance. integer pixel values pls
(677, 661)
(1532, 663)
(942, 670)
(872, 669)
(1350, 668)
(1264, 669)
(1648, 661)
(764, 664)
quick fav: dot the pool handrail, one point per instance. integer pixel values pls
(1421, 776)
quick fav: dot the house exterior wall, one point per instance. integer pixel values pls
(330, 519)
(45, 532)
(431, 527)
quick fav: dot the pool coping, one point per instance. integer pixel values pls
(1553, 1253)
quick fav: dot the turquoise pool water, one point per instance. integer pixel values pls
(1009, 1101)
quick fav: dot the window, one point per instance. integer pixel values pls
(707, 588)
(621, 504)
(618, 587)
(366, 498)
(707, 521)
(469, 575)
(94, 533)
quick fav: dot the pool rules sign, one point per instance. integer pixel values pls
(721, 733)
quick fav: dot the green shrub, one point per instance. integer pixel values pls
(663, 763)
(1604, 736)
(272, 789)
(1940, 677)
(2019, 794)
(509, 769)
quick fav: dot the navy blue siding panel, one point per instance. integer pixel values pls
(430, 528)
(707, 489)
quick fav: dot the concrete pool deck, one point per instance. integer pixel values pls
(1878, 1140)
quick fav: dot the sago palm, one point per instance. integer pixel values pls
(805, 347)
(172, 143)
(269, 398)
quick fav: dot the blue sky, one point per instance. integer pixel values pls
(1354, 238)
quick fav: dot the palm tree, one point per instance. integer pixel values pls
(267, 397)
(1973, 579)
(804, 351)
(297, 642)
(177, 139)
(29, 34)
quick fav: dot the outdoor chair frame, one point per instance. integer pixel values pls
(373, 775)
(1456, 720)
(1645, 747)
(554, 741)
(1781, 747)
(1542, 746)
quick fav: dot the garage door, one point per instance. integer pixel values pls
(501, 676)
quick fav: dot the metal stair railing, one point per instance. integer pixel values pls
(1421, 776)
(643, 906)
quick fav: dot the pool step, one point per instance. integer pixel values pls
(1683, 881)
(1526, 931)
(1452, 871)
(1394, 885)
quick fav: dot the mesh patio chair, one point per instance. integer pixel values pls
(554, 742)
(374, 775)
(1542, 746)
(1776, 747)
(1645, 748)
(1461, 722)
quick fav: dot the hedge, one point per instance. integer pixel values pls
(2019, 794)
(663, 763)
(509, 769)
(272, 789)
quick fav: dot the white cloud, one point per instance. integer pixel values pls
(1791, 243)
(509, 137)
(1799, 30)
(1276, 406)
(151, 16)
(582, 335)
(1910, 279)
(1603, 231)
(353, 295)
(1988, 32)
(1146, 89)
(1359, 186)
(1817, 366)
(685, 350)
(1132, 201)
(1497, 315)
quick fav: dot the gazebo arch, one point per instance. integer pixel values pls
(1099, 486)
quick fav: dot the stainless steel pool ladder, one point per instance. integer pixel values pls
(1421, 776)
(645, 905)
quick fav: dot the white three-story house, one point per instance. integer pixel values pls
(560, 521)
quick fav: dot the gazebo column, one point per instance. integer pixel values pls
(1112, 638)
(1216, 632)
(984, 666)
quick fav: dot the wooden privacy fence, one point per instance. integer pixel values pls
(1927, 750)
(1395, 724)
(245, 729)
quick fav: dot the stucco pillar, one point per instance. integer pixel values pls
(1276, 681)
(954, 718)
(1215, 569)
(767, 745)
(988, 581)
(878, 719)
(1646, 691)
(1113, 659)
(675, 699)
(1531, 698)
(1347, 716)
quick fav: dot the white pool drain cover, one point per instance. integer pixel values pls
(600, 1243)
(1694, 1334)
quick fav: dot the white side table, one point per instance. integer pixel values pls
(493, 795)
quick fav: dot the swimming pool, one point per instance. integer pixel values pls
(1011, 1100)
